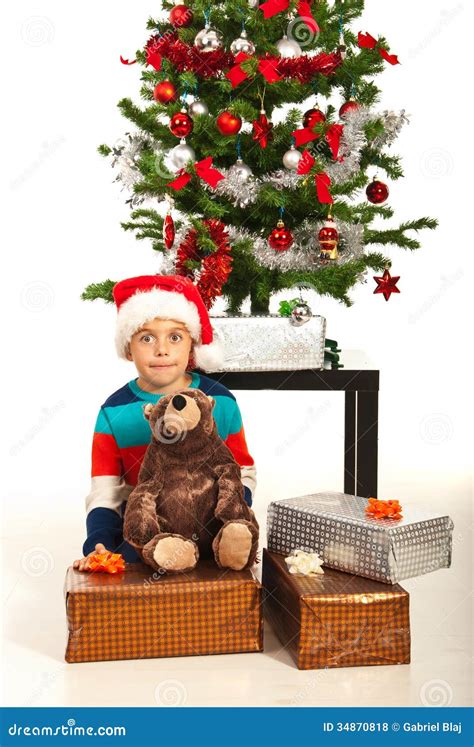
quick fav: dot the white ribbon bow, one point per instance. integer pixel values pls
(306, 563)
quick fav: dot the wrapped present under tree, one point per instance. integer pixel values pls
(139, 614)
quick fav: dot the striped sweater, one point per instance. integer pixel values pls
(121, 437)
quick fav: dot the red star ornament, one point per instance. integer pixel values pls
(387, 284)
(262, 130)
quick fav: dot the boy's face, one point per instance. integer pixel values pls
(160, 351)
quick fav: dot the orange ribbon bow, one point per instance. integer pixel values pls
(108, 562)
(383, 509)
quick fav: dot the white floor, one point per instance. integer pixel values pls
(35, 637)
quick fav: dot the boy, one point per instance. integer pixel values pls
(164, 328)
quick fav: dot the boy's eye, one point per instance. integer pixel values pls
(175, 336)
(146, 338)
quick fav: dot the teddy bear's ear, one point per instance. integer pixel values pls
(147, 410)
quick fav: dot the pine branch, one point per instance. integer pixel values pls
(99, 290)
(390, 164)
(104, 150)
(397, 236)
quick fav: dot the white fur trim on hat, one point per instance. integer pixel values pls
(144, 306)
(209, 357)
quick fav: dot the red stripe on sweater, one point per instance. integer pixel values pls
(238, 446)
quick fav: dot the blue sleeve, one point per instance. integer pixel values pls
(247, 495)
(103, 525)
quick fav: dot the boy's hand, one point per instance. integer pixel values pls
(83, 563)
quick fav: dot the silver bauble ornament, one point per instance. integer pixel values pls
(181, 154)
(208, 40)
(300, 314)
(292, 158)
(254, 3)
(198, 108)
(288, 47)
(241, 169)
(242, 44)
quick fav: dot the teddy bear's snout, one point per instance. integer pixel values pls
(179, 402)
(182, 414)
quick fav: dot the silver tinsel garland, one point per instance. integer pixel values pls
(304, 253)
(354, 139)
(125, 158)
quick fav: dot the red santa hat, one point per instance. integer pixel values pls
(141, 299)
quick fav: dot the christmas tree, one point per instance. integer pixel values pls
(262, 196)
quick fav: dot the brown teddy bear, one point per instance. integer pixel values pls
(189, 499)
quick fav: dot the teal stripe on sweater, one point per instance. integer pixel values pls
(130, 427)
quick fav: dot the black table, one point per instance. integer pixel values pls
(360, 418)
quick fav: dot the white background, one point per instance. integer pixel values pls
(61, 225)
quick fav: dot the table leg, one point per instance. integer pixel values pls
(367, 414)
(350, 463)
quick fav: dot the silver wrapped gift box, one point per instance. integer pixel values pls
(269, 342)
(336, 526)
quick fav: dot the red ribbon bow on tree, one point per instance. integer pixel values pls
(322, 180)
(333, 137)
(271, 7)
(204, 170)
(367, 41)
(266, 67)
(153, 57)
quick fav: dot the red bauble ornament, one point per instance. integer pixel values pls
(168, 231)
(387, 284)
(165, 92)
(328, 239)
(349, 106)
(228, 123)
(262, 129)
(377, 192)
(181, 16)
(313, 117)
(280, 238)
(181, 124)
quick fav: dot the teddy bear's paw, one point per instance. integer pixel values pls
(234, 546)
(139, 533)
(171, 553)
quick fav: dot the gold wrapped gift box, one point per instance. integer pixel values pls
(336, 619)
(140, 614)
